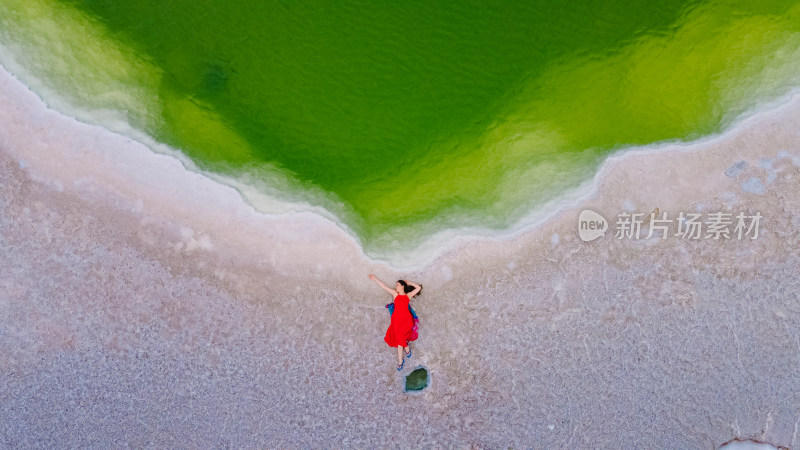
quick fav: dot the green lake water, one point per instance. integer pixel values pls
(406, 118)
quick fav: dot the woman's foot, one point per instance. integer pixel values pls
(407, 354)
(400, 366)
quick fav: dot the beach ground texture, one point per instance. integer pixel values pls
(142, 304)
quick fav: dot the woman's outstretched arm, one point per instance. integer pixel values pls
(416, 290)
(386, 288)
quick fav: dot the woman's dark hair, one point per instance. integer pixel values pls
(408, 288)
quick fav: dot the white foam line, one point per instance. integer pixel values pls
(452, 239)
(438, 244)
(62, 151)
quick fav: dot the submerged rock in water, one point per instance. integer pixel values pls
(417, 380)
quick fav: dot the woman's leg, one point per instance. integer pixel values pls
(399, 355)
(407, 350)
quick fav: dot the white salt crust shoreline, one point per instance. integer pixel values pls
(137, 176)
(137, 313)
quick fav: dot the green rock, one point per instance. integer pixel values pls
(417, 380)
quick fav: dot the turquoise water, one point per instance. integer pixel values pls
(406, 118)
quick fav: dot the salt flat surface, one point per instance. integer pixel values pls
(132, 315)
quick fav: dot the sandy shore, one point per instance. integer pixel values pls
(145, 305)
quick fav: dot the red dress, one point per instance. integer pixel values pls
(401, 328)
